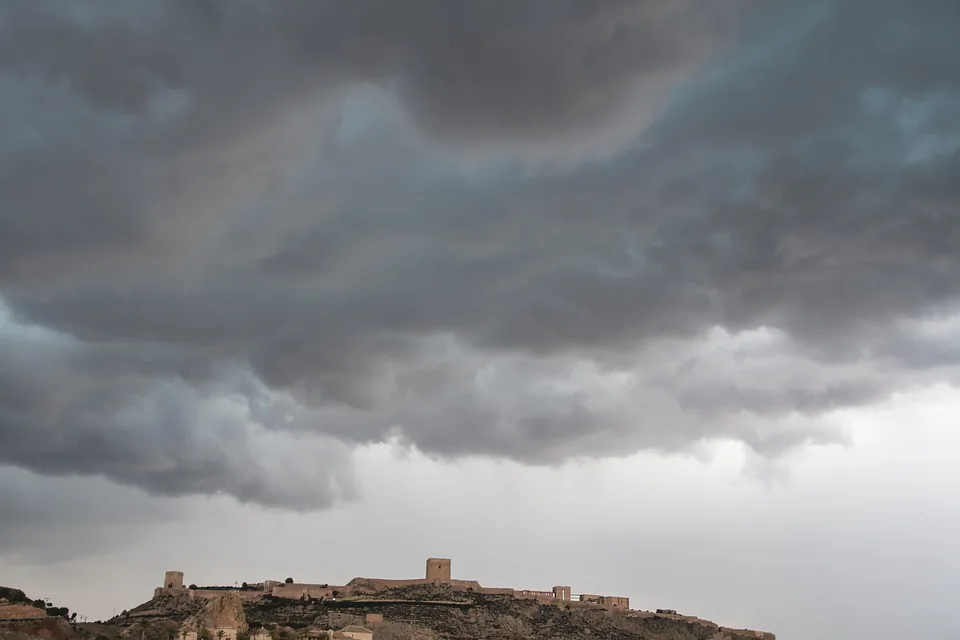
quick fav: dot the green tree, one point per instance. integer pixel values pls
(220, 634)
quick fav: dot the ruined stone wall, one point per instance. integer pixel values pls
(468, 585)
(299, 590)
(370, 586)
(383, 583)
(527, 593)
(438, 571)
(268, 585)
(543, 597)
(616, 602)
(211, 594)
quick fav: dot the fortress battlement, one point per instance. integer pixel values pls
(438, 572)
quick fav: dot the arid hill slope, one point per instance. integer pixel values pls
(435, 613)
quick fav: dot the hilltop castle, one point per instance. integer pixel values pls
(438, 572)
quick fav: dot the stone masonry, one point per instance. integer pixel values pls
(438, 572)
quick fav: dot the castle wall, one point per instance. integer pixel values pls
(467, 585)
(299, 590)
(383, 583)
(527, 593)
(211, 594)
(617, 602)
(438, 571)
(543, 597)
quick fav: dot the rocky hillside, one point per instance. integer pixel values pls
(22, 618)
(436, 613)
(14, 603)
(223, 613)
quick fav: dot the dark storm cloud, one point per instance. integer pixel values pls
(129, 413)
(140, 97)
(183, 198)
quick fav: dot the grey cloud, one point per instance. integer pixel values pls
(143, 100)
(224, 233)
(128, 415)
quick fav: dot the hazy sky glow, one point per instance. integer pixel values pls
(665, 293)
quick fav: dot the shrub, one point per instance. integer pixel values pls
(14, 596)
(289, 581)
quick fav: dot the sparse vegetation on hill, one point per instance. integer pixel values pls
(435, 612)
(175, 608)
(14, 596)
(417, 612)
(17, 597)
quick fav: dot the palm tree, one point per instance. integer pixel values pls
(220, 634)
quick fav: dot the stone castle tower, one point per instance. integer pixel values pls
(173, 580)
(438, 569)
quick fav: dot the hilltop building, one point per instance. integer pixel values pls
(438, 572)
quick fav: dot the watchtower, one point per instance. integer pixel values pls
(173, 580)
(562, 593)
(438, 569)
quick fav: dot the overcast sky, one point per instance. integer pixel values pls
(656, 298)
